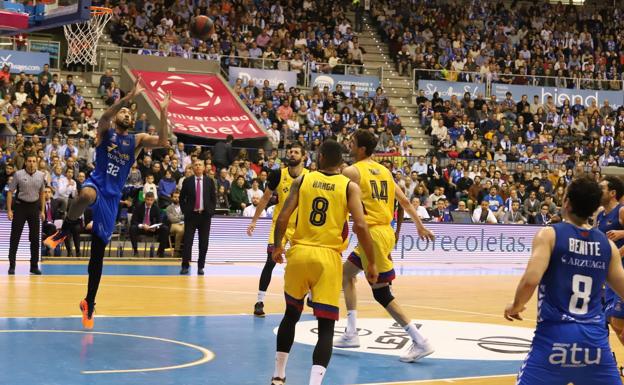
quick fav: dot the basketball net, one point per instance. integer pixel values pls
(82, 38)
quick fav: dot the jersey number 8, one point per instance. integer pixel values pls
(581, 291)
(318, 216)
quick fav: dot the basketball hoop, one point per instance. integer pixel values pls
(82, 38)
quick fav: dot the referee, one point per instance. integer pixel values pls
(27, 186)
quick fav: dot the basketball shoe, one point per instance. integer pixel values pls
(87, 314)
(417, 352)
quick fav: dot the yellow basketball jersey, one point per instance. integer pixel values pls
(323, 211)
(377, 185)
(283, 188)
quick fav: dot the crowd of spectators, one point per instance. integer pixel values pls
(287, 34)
(525, 43)
(43, 104)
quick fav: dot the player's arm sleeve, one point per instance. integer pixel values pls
(274, 179)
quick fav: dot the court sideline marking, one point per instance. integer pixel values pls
(268, 294)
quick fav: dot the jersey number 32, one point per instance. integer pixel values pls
(112, 169)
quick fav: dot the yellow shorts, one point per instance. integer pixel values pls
(383, 243)
(290, 231)
(315, 269)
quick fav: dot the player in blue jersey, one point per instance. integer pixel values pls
(116, 151)
(570, 262)
(610, 220)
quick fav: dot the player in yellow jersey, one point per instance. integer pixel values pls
(323, 199)
(378, 195)
(280, 182)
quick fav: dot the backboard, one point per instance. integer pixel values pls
(42, 14)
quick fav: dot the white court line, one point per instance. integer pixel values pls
(269, 294)
(207, 355)
(137, 316)
(450, 380)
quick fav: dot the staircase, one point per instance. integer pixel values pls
(88, 82)
(398, 88)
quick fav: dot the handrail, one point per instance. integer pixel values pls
(489, 80)
(105, 53)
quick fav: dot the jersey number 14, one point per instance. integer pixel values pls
(379, 192)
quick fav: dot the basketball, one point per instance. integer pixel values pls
(201, 27)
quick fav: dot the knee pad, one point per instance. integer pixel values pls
(383, 295)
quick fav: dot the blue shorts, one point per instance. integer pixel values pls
(104, 212)
(569, 353)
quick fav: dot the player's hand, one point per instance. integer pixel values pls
(278, 254)
(615, 235)
(513, 313)
(10, 215)
(425, 233)
(251, 228)
(165, 102)
(137, 89)
(42, 215)
(371, 273)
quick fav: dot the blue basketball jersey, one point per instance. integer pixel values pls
(610, 221)
(606, 222)
(114, 157)
(571, 290)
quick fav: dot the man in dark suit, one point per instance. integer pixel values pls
(52, 212)
(222, 155)
(544, 217)
(198, 201)
(144, 217)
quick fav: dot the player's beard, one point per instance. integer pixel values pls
(123, 125)
(294, 162)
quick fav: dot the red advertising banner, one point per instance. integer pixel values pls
(201, 105)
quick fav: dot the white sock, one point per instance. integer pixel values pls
(261, 295)
(316, 374)
(351, 322)
(415, 334)
(281, 359)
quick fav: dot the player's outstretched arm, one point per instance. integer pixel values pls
(162, 140)
(282, 220)
(543, 245)
(108, 115)
(615, 275)
(266, 197)
(423, 232)
(360, 228)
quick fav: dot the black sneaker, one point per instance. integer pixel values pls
(259, 309)
(12, 270)
(35, 271)
(277, 380)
